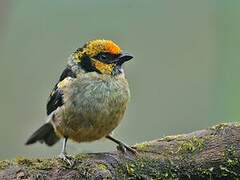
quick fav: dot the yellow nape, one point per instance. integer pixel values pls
(102, 67)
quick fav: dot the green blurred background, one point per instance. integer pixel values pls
(185, 75)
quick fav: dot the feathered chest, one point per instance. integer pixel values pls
(92, 92)
(93, 106)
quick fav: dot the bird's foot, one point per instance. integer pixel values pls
(123, 148)
(66, 158)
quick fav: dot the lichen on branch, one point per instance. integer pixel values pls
(212, 153)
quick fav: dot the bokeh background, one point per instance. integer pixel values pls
(185, 75)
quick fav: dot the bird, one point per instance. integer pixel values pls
(90, 98)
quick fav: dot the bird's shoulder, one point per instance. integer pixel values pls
(55, 99)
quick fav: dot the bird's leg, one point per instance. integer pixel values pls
(123, 147)
(63, 155)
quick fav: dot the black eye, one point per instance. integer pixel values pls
(102, 57)
(106, 57)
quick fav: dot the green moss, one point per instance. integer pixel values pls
(232, 162)
(191, 145)
(220, 126)
(130, 169)
(143, 146)
(185, 144)
(44, 164)
(81, 157)
(38, 164)
(146, 168)
(231, 155)
(32, 165)
(171, 138)
(102, 166)
(229, 168)
(4, 164)
(205, 173)
(219, 172)
(23, 161)
(225, 171)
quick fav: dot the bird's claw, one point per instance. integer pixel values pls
(66, 158)
(124, 148)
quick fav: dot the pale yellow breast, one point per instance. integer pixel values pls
(94, 106)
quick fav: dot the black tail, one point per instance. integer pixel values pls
(44, 134)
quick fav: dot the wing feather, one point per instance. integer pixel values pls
(55, 99)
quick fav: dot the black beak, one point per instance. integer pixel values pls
(123, 57)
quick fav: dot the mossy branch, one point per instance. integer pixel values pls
(212, 153)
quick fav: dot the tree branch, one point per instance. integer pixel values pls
(212, 153)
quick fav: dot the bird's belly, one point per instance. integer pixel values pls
(84, 127)
(92, 114)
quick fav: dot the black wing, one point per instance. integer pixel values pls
(55, 99)
(67, 73)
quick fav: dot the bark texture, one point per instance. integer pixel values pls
(212, 153)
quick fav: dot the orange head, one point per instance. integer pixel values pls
(102, 56)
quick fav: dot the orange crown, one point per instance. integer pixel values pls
(94, 47)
